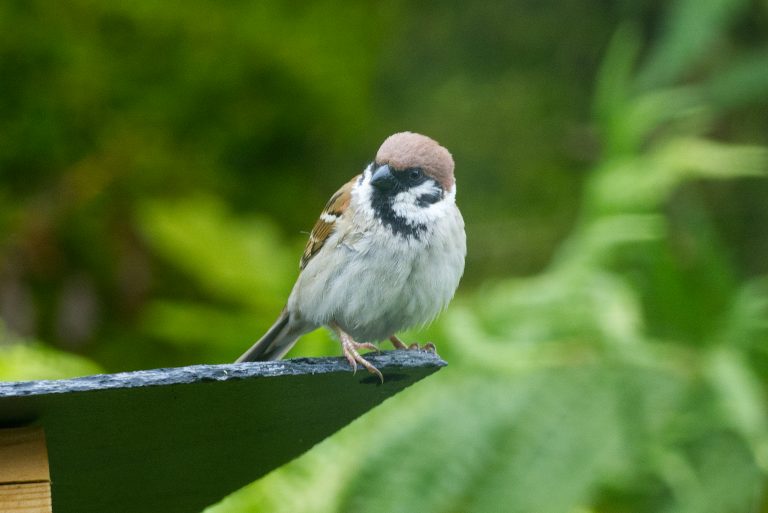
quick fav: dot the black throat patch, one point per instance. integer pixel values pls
(382, 209)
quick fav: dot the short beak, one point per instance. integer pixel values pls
(382, 178)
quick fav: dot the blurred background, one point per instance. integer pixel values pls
(162, 162)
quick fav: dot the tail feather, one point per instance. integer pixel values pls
(277, 341)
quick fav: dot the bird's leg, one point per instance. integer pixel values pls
(350, 349)
(399, 344)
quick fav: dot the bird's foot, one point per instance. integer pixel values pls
(399, 344)
(351, 349)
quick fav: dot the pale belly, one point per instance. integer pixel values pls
(373, 290)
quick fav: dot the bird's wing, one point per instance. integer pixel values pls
(326, 224)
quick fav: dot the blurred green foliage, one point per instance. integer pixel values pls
(28, 360)
(161, 162)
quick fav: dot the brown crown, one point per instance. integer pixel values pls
(408, 149)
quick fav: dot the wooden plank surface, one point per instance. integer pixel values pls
(25, 497)
(23, 456)
(25, 485)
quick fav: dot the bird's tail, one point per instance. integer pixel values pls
(277, 341)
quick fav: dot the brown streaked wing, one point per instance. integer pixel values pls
(323, 229)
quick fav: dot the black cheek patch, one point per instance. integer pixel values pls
(429, 198)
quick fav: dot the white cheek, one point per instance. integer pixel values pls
(405, 201)
(406, 205)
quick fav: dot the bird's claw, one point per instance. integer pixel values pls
(350, 349)
(429, 347)
(399, 344)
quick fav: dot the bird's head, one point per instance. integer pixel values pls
(410, 182)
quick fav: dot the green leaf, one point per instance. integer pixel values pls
(693, 27)
(22, 360)
(244, 262)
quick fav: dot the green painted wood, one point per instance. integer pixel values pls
(178, 440)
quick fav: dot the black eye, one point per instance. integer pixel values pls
(414, 174)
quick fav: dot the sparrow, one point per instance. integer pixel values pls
(386, 254)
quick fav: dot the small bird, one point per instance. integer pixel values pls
(386, 254)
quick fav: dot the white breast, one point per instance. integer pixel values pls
(373, 283)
